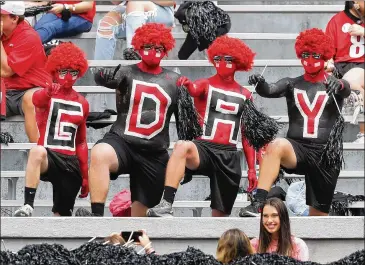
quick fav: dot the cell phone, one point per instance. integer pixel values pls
(136, 234)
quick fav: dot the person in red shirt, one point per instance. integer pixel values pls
(22, 65)
(347, 32)
(66, 19)
(61, 156)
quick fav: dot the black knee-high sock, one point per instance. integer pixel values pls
(29, 195)
(97, 208)
(169, 194)
(261, 195)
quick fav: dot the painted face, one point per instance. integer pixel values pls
(271, 219)
(152, 54)
(312, 62)
(66, 77)
(224, 65)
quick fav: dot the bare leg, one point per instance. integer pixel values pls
(37, 164)
(143, 6)
(356, 79)
(185, 154)
(138, 209)
(315, 212)
(30, 123)
(278, 152)
(103, 161)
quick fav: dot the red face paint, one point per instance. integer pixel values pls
(66, 78)
(152, 58)
(225, 69)
(312, 66)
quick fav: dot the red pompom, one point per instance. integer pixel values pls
(314, 41)
(153, 33)
(242, 54)
(67, 56)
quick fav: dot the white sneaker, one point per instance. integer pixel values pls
(24, 211)
(360, 138)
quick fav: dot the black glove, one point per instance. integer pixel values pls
(105, 77)
(65, 15)
(256, 78)
(333, 85)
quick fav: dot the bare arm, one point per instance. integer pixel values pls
(6, 70)
(164, 3)
(82, 7)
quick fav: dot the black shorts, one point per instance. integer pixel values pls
(222, 164)
(146, 169)
(344, 67)
(65, 175)
(14, 99)
(320, 182)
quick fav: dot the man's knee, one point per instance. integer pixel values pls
(276, 147)
(27, 101)
(37, 154)
(182, 149)
(107, 25)
(102, 154)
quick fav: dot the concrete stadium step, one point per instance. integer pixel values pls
(328, 238)
(265, 45)
(12, 183)
(273, 18)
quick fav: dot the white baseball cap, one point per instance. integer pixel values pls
(13, 8)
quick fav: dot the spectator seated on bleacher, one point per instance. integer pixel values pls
(233, 244)
(66, 19)
(22, 65)
(347, 32)
(275, 234)
(123, 21)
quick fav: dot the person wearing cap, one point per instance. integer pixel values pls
(66, 19)
(22, 64)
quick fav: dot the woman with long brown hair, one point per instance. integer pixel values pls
(232, 245)
(275, 234)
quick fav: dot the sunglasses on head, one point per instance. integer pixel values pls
(149, 47)
(226, 58)
(64, 72)
(306, 55)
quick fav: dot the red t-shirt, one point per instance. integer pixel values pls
(348, 48)
(89, 15)
(26, 58)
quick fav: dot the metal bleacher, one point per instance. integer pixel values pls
(270, 30)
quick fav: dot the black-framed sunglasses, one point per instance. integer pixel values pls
(149, 47)
(73, 73)
(226, 58)
(306, 55)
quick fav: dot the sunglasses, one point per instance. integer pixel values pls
(150, 47)
(306, 55)
(227, 58)
(63, 72)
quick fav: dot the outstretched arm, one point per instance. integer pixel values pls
(275, 90)
(82, 152)
(110, 78)
(196, 89)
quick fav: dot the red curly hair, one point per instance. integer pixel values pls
(67, 56)
(153, 33)
(242, 54)
(314, 41)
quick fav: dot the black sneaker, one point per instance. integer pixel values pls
(163, 209)
(82, 212)
(131, 54)
(253, 210)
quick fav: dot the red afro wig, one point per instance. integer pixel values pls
(242, 54)
(153, 33)
(67, 56)
(314, 41)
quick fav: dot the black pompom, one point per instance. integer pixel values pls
(6, 138)
(187, 124)
(332, 156)
(258, 128)
(35, 10)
